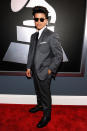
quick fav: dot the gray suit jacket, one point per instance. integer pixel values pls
(48, 53)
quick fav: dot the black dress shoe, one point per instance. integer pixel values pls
(43, 122)
(36, 108)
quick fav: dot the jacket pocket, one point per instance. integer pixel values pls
(44, 48)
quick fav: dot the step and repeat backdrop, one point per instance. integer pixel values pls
(66, 17)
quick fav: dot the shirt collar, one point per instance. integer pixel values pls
(40, 31)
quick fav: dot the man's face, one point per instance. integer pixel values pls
(40, 20)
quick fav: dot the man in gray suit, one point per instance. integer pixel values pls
(44, 58)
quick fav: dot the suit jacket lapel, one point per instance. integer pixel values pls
(39, 40)
(34, 44)
(42, 35)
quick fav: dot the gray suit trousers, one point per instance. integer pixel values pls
(42, 89)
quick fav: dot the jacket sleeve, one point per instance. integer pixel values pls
(56, 49)
(29, 58)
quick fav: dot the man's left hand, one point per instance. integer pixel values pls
(49, 71)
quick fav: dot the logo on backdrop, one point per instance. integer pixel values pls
(24, 32)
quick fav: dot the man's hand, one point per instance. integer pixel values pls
(28, 73)
(49, 71)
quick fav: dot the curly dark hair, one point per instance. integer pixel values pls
(40, 9)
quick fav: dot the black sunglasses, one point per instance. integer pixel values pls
(41, 19)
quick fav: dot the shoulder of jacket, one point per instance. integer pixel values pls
(49, 31)
(33, 34)
(53, 35)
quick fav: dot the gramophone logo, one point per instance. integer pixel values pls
(18, 51)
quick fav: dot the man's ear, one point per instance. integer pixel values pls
(47, 22)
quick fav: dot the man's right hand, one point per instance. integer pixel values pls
(28, 73)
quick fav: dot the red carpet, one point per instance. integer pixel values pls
(15, 117)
